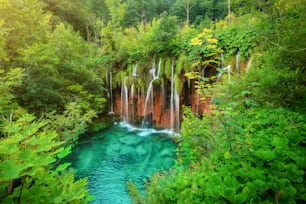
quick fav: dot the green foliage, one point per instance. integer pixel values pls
(9, 81)
(3, 36)
(28, 153)
(25, 23)
(59, 64)
(74, 12)
(270, 87)
(251, 148)
(164, 34)
(241, 36)
(203, 49)
(196, 138)
(257, 158)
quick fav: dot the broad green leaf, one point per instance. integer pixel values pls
(62, 167)
(10, 169)
(64, 152)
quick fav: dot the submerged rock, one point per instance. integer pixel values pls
(166, 152)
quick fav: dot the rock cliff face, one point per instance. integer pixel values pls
(158, 114)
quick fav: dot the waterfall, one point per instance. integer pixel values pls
(177, 109)
(108, 93)
(111, 112)
(249, 65)
(121, 102)
(158, 69)
(124, 102)
(221, 60)
(153, 69)
(149, 95)
(229, 72)
(172, 96)
(155, 74)
(150, 91)
(134, 71)
(228, 69)
(238, 62)
(133, 107)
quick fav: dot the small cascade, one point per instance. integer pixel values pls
(111, 111)
(153, 69)
(133, 106)
(177, 109)
(172, 97)
(238, 62)
(155, 74)
(249, 65)
(158, 69)
(229, 72)
(228, 69)
(107, 84)
(121, 101)
(139, 94)
(221, 60)
(149, 95)
(124, 102)
(134, 71)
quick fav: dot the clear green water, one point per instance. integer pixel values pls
(121, 153)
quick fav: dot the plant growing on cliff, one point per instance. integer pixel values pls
(204, 50)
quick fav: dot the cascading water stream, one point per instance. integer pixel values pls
(177, 109)
(158, 69)
(124, 102)
(172, 96)
(238, 62)
(111, 112)
(149, 95)
(132, 99)
(228, 69)
(249, 65)
(134, 71)
(121, 101)
(221, 60)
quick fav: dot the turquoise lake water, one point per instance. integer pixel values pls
(118, 154)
